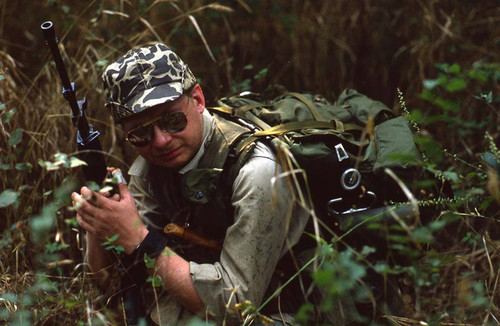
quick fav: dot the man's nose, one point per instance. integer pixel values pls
(160, 138)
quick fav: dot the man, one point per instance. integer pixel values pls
(177, 179)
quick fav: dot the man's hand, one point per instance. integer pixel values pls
(104, 217)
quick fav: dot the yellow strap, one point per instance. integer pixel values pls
(223, 109)
(243, 113)
(335, 125)
(352, 126)
(314, 111)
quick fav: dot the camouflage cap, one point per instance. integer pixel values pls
(143, 78)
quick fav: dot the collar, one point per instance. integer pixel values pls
(208, 127)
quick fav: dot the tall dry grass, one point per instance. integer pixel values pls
(317, 46)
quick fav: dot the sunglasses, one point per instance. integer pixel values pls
(171, 122)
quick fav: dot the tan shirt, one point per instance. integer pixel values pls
(267, 223)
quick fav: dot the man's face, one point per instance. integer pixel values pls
(173, 150)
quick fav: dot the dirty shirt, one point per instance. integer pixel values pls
(267, 222)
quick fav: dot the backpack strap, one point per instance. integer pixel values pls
(334, 125)
(243, 112)
(314, 111)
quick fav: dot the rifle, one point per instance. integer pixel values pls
(87, 138)
(90, 151)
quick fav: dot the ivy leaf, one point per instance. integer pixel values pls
(8, 197)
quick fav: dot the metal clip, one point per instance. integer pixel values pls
(350, 179)
(341, 152)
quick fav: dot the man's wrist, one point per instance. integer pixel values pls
(152, 245)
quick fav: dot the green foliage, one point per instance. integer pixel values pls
(8, 197)
(446, 261)
(109, 244)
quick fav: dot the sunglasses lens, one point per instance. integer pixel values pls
(173, 122)
(170, 122)
(140, 136)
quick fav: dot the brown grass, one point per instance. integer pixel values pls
(317, 46)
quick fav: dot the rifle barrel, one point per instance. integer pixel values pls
(89, 147)
(52, 41)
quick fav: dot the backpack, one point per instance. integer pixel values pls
(342, 149)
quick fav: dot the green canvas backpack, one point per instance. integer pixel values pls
(340, 152)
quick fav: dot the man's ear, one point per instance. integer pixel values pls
(198, 96)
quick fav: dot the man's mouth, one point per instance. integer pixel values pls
(168, 155)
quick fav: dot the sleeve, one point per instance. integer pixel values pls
(255, 242)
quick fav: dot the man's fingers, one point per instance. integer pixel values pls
(118, 175)
(84, 224)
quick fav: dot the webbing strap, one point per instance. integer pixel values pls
(243, 113)
(334, 125)
(256, 120)
(223, 109)
(309, 104)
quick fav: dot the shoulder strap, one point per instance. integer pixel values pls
(314, 111)
(219, 147)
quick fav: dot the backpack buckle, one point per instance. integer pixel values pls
(333, 210)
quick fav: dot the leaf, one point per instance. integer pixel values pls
(61, 159)
(381, 267)
(102, 63)
(71, 304)
(155, 281)
(25, 166)
(74, 162)
(454, 69)
(9, 297)
(478, 75)
(6, 118)
(41, 224)
(452, 176)
(4, 166)
(112, 238)
(447, 104)
(491, 160)
(455, 85)
(417, 116)
(367, 250)
(261, 74)
(431, 83)
(431, 148)
(15, 137)
(8, 197)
